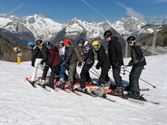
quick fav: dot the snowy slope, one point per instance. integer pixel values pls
(21, 104)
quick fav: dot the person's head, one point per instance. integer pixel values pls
(48, 44)
(60, 44)
(39, 43)
(131, 40)
(81, 42)
(67, 42)
(108, 35)
(96, 45)
(30, 45)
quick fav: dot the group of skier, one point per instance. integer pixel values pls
(63, 57)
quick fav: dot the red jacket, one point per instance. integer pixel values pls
(55, 57)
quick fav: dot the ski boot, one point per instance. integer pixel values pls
(118, 91)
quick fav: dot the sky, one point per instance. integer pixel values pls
(89, 10)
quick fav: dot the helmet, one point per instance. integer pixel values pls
(107, 33)
(96, 44)
(67, 42)
(81, 42)
(30, 43)
(131, 38)
(39, 42)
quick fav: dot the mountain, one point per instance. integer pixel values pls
(13, 29)
(4, 19)
(76, 29)
(128, 25)
(23, 29)
(41, 26)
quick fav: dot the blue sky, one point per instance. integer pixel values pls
(89, 10)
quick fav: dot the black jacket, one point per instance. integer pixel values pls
(137, 56)
(88, 55)
(36, 53)
(46, 53)
(115, 52)
(103, 60)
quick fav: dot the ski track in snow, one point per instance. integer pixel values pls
(21, 104)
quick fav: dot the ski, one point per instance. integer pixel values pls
(87, 93)
(28, 80)
(144, 89)
(136, 100)
(74, 92)
(43, 87)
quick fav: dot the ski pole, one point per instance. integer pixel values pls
(96, 72)
(141, 78)
(93, 73)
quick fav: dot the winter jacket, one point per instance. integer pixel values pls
(88, 54)
(46, 53)
(115, 52)
(103, 60)
(36, 53)
(72, 56)
(55, 57)
(137, 56)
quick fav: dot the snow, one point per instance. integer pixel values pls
(42, 27)
(4, 21)
(21, 104)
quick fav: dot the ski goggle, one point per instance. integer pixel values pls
(95, 47)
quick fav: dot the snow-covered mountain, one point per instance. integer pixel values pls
(41, 26)
(4, 20)
(47, 29)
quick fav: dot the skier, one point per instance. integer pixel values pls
(88, 60)
(116, 60)
(137, 62)
(55, 66)
(63, 61)
(30, 45)
(36, 59)
(103, 62)
(46, 53)
(72, 59)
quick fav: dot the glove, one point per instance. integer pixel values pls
(97, 66)
(89, 61)
(79, 64)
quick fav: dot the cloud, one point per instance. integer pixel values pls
(130, 11)
(160, 1)
(17, 8)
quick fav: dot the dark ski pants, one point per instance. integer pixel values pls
(62, 72)
(73, 75)
(103, 76)
(116, 75)
(134, 79)
(54, 71)
(45, 70)
(85, 76)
